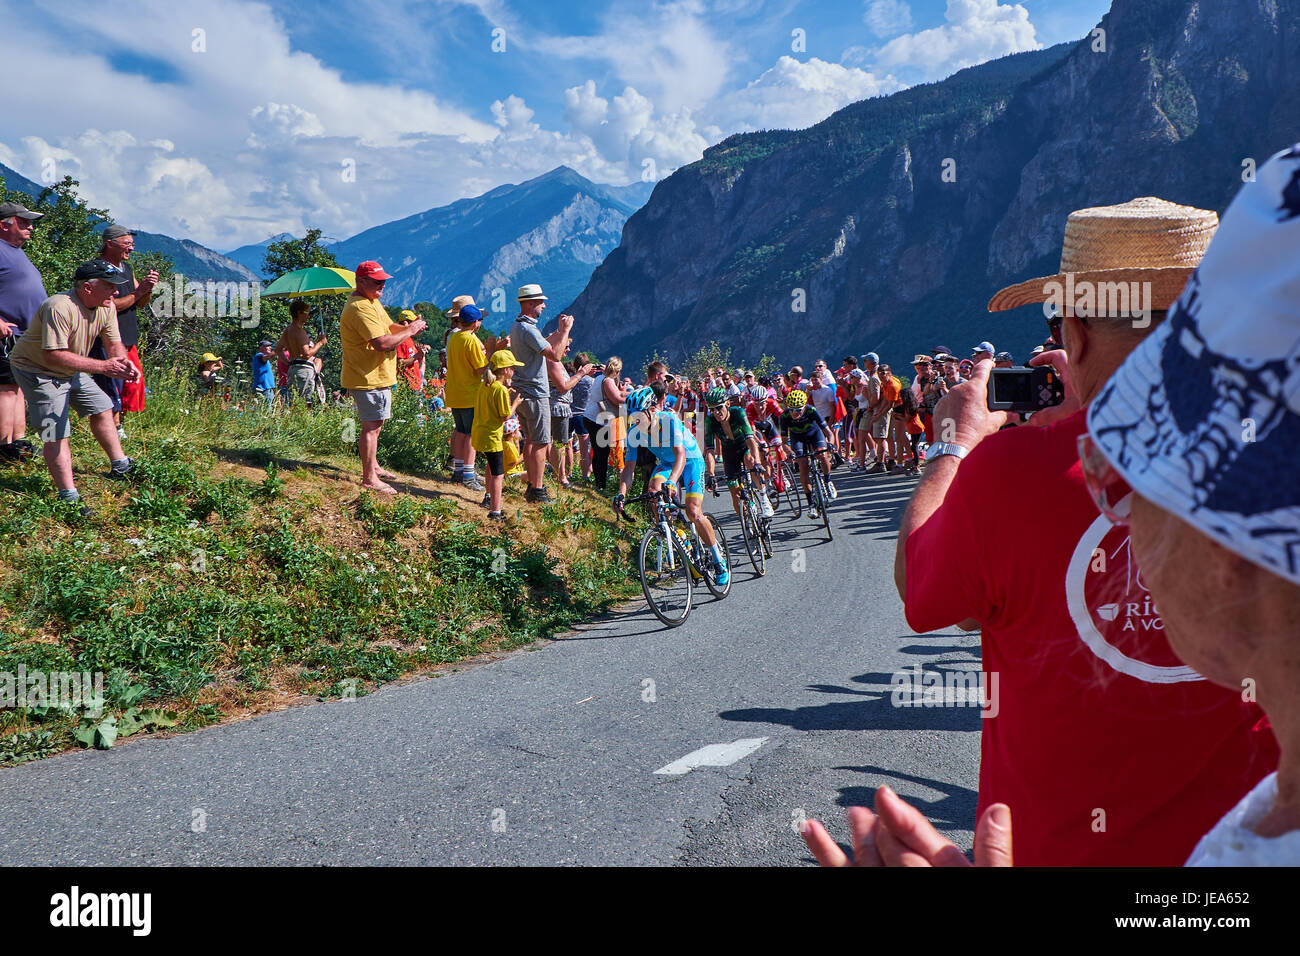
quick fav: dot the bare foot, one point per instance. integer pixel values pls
(382, 487)
(388, 475)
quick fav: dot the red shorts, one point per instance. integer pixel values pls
(133, 392)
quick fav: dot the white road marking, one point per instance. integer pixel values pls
(714, 755)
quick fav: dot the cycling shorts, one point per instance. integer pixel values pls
(733, 464)
(692, 480)
(808, 444)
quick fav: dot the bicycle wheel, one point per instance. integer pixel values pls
(793, 494)
(665, 576)
(753, 536)
(765, 533)
(822, 497)
(706, 560)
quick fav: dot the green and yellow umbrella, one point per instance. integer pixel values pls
(313, 280)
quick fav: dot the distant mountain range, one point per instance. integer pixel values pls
(854, 219)
(253, 255)
(190, 259)
(554, 230)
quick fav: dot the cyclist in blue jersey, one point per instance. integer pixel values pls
(805, 430)
(680, 462)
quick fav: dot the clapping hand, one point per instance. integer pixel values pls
(897, 834)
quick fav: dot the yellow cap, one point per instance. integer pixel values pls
(406, 315)
(504, 359)
(209, 357)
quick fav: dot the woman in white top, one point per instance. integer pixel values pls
(602, 405)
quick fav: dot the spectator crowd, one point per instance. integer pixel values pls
(1164, 699)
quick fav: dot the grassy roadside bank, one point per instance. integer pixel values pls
(243, 569)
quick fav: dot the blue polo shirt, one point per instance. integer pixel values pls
(21, 288)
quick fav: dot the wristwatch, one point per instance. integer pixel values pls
(940, 448)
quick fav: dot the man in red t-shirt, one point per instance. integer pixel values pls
(1108, 750)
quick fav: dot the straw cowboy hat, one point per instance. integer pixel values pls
(1170, 418)
(1146, 240)
(458, 303)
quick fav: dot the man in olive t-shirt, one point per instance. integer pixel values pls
(52, 367)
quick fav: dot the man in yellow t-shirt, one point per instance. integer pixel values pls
(492, 407)
(466, 360)
(370, 366)
(51, 364)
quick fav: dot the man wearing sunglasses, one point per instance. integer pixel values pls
(370, 366)
(1107, 749)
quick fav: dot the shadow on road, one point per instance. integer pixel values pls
(954, 810)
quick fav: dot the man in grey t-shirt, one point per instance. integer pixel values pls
(533, 349)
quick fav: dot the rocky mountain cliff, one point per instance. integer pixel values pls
(554, 229)
(855, 215)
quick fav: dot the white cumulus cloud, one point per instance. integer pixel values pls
(974, 31)
(795, 95)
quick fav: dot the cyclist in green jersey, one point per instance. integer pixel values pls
(727, 432)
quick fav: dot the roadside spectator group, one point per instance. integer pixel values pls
(1125, 735)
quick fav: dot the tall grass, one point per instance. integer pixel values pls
(415, 440)
(199, 590)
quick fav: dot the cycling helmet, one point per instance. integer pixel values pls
(640, 400)
(716, 397)
(757, 394)
(796, 399)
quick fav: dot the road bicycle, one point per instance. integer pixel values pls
(821, 495)
(784, 482)
(672, 557)
(756, 529)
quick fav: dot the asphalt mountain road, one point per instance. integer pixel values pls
(549, 755)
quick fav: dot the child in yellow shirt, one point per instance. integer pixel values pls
(492, 406)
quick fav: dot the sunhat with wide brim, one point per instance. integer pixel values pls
(1145, 240)
(458, 303)
(1202, 418)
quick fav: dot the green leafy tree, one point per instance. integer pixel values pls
(64, 236)
(767, 365)
(707, 357)
(290, 254)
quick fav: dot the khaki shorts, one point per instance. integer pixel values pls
(880, 429)
(535, 420)
(373, 404)
(303, 380)
(49, 397)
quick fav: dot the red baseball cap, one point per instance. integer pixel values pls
(371, 270)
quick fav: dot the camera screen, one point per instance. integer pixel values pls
(1013, 387)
